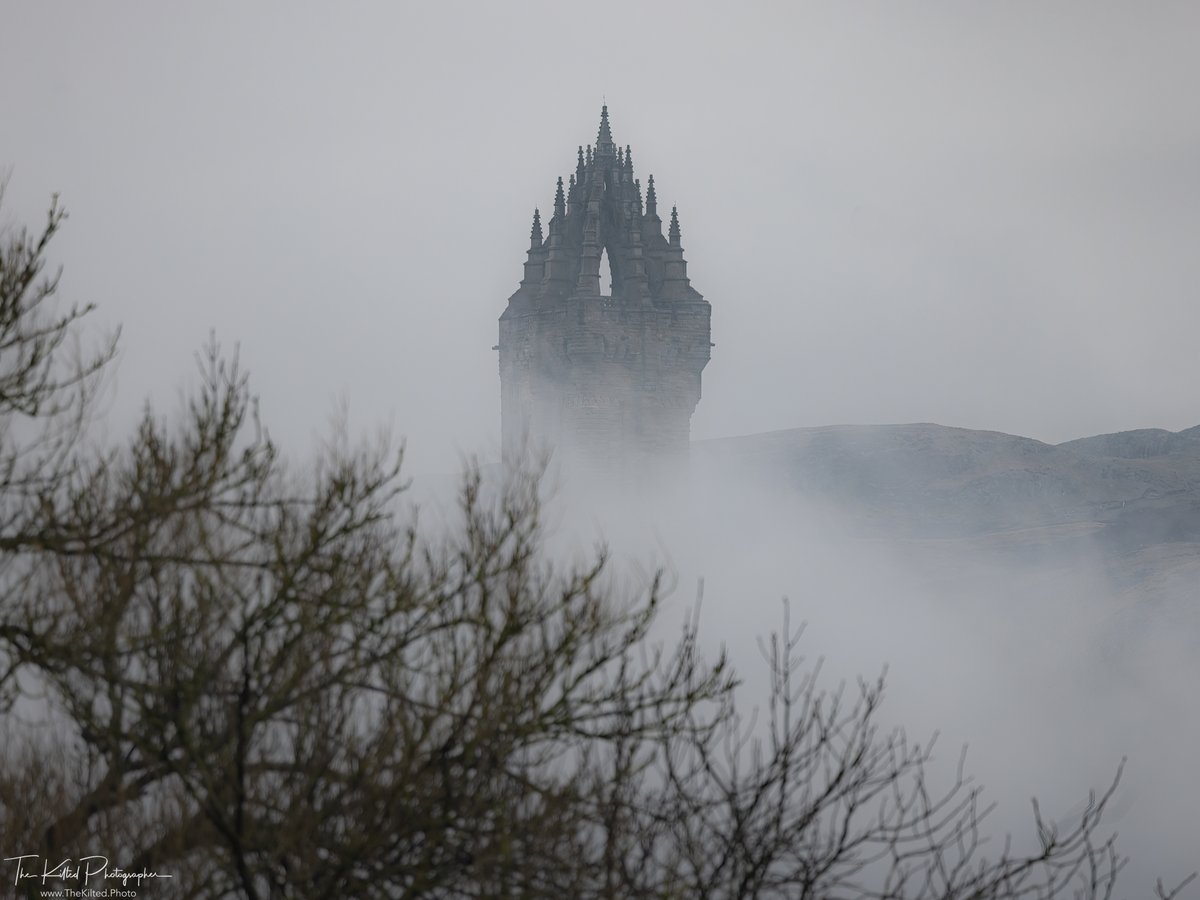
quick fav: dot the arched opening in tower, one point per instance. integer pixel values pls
(606, 279)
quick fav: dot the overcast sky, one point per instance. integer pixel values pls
(977, 214)
(982, 215)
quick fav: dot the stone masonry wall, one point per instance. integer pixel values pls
(607, 381)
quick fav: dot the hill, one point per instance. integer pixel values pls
(925, 480)
(1125, 506)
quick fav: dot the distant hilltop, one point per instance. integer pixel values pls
(1139, 488)
(1117, 514)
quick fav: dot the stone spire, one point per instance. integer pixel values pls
(535, 233)
(604, 141)
(560, 203)
(535, 261)
(651, 199)
(675, 281)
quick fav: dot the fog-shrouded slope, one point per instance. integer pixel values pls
(1144, 443)
(1135, 489)
(1122, 508)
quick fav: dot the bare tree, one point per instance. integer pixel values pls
(47, 382)
(822, 803)
(270, 684)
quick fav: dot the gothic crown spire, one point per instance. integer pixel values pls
(602, 215)
(604, 135)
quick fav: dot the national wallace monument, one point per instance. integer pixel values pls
(607, 375)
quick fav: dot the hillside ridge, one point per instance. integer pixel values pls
(930, 480)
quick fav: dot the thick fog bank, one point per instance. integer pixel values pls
(1048, 653)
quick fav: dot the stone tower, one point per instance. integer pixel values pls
(607, 374)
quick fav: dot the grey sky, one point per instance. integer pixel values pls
(976, 214)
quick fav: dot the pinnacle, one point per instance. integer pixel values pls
(604, 136)
(673, 233)
(535, 233)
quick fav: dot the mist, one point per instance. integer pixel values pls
(979, 216)
(1025, 651)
